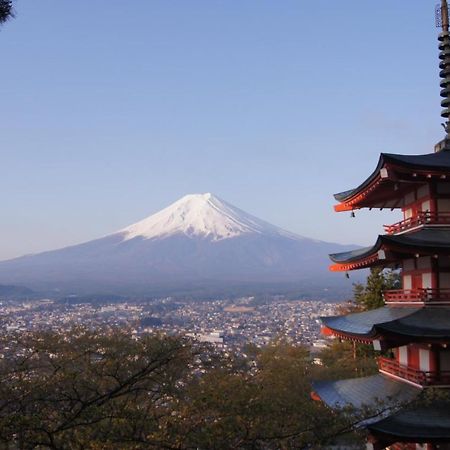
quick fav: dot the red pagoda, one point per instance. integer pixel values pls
(414, 324)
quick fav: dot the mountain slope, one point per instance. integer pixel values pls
(197, 241)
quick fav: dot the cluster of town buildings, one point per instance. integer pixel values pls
(225, 323)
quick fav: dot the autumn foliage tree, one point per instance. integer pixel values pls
(107, 390)
(267, 406)
(89, 390)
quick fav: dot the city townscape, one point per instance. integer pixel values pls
(225, 323)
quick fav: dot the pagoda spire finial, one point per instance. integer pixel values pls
(442, 16)
(444, 24)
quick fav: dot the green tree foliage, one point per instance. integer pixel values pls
(370, 296)
(6, 10)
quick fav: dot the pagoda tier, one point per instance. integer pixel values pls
(399, 180)
(423, 257)
(395, 411)
(394, 325)
(419, 424)
(377, 392)
(389, 249)
(419, 339)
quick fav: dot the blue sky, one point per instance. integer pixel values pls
(111, 110)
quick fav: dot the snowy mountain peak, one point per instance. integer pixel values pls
(198, 245)
(201, 215)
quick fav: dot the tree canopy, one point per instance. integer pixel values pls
(6, 11)
(370, 295)
(107, 390)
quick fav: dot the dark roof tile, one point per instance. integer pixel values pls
(434, 161)
(419, 423)
(377, 391)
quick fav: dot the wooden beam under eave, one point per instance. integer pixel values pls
(348, 337)
(342, 207)
(338, 268)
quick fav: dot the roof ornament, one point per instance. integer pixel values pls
(442, 21)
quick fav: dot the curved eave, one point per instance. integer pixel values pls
(364, 326)
(428, 423)
(365, 195)
(348, 200)
(340, 331)
(377, 392)
(406, 324)
(356, 259)
(359, 338)
(428, 241)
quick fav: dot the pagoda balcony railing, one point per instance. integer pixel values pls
(417, 296)
(423, 378)
(422, 218)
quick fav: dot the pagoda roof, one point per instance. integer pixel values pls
(410, 324)
(422, 423)
(379, 186)
(376, 391)
(395, 408)
(363, 324)
(426, 240)
(426, 323)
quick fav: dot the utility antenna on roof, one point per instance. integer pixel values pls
(442, 21)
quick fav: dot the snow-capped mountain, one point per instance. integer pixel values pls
(200, 242)
(201, 215)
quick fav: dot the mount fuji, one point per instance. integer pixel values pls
(199, 244)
